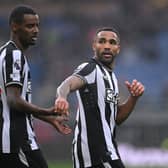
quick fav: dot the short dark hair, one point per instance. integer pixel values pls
(18, 12)
(112, 29)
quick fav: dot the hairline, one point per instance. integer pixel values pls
(18, 13)
(110, 29)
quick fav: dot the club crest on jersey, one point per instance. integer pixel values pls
(111, 96)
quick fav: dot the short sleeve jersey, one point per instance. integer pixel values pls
(16, 128)
(94, 137)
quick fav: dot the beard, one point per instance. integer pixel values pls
(27, 44)
(106, 60)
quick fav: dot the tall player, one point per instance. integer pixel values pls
(18, 145)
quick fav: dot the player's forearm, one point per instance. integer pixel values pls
(21, 105)
(125, 109)
(47, 119)
(17, 103)
(63, 90)
(71, 84)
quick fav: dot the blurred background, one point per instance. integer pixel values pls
(66, 32)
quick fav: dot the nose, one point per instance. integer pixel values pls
(36, 29)
(107, 45)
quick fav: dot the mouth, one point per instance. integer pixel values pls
(34, 38)
(107, 54)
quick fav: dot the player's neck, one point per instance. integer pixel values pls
(18, 44)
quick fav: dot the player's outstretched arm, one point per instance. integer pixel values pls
(136, 89)
(58, 122)
(70, 84)
(17, 103)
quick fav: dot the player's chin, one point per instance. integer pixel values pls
(107, 61)
(32, 43)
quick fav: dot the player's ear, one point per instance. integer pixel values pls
(14, 26)
(118, 50)
(94, 46)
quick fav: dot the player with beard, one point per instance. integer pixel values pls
(99, 109)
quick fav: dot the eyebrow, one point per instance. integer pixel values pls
(112, 39)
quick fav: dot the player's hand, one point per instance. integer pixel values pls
(62, 106)
(59, 123)
(135, 88)
(61, 126)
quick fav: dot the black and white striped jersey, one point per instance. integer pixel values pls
(94, 135)
(16, 128)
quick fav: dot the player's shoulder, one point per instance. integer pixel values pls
(11, 46)
(85, 67)
(11, 49)
(7, 48)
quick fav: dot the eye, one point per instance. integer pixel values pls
(113, 42)
(29, 26)
(101, 41)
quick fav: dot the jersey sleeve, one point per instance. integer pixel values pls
(86, 71)
(13, 67)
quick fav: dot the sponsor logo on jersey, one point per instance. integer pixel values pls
(111, 96)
